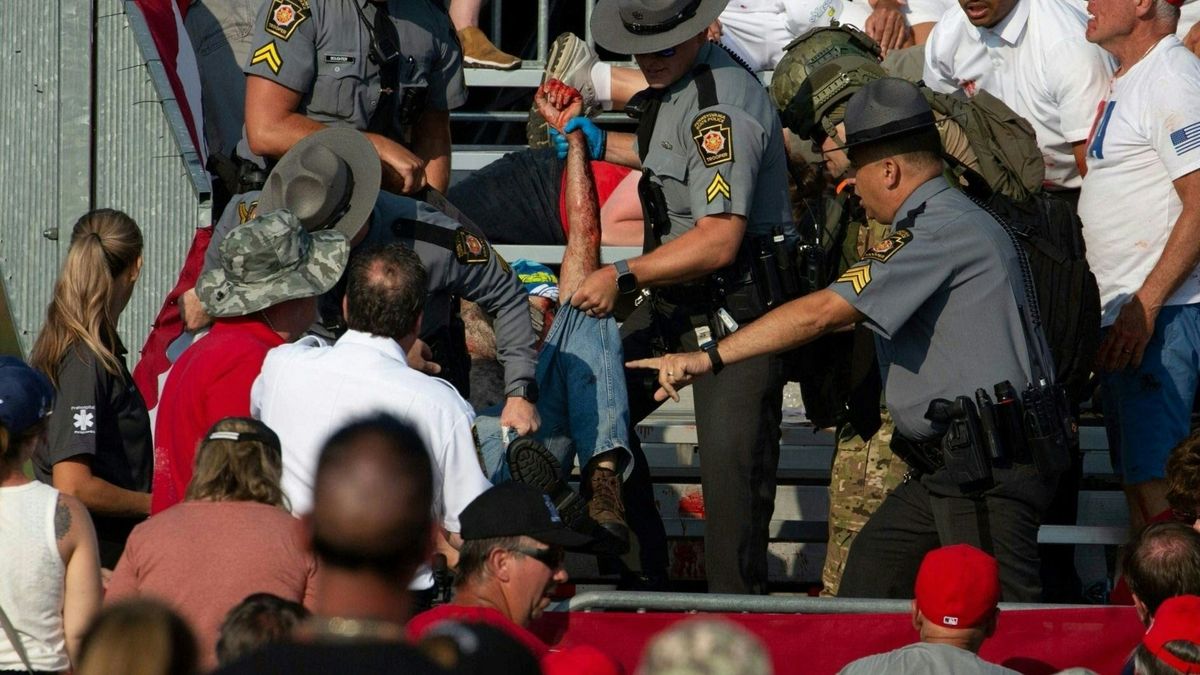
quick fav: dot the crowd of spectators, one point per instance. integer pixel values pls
(312, 452)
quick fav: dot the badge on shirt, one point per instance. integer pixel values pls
(246, 211)
(713, 133)
(470, 249)
(83, 419)
(285, 16)
(268, 54)
(884, 250)
(858, 277)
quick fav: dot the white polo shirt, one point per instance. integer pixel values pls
(1147, 134)
(1038, 62)
(307, 391)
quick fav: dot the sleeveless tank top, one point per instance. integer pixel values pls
(32, 578)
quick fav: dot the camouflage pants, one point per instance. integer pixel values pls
(864, 472)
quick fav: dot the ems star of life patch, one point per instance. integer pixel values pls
(286, 16)
(268, 54)
(858, 277)
(718, 187)
(884, 250)
(713, 133)
(1187, 138)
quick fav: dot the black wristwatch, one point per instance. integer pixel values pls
(529, 392)
(626, 282)
(714, 356)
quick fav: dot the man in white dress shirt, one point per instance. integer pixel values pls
(1032, 55)
(306, 392)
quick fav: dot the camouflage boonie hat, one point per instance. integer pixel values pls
(819, 71)
(268, 260)
(706, 647)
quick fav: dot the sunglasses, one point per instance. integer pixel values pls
(662, 53)
(550, 557)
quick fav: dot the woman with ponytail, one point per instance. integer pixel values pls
(48, 559)
(233, 535)
(100, 448)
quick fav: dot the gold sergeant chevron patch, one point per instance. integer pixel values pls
(858, 277)
(718, 186)
(268, 54)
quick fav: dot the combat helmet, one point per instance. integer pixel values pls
(819, 71)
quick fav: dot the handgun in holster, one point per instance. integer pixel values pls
(963, 448)
(655, 217)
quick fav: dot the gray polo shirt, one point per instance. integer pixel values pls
(726, 158)
(941, 295)
(321, 49)
(925, 657)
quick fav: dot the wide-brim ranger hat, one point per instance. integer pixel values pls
(644, 26)
(515, 509)
(884, 109)
(329, 181)
(268, 260)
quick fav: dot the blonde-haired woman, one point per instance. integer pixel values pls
(48, 561)
(138, 637)
(100, 448)
(232, 536)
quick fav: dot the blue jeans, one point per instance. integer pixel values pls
(1148, 411)
(583, 401)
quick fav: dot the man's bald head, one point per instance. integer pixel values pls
(1162, 561)
(372, 499)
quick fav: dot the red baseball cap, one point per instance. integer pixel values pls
(958, 586)
(1178, 618)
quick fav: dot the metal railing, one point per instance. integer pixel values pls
(637, 601)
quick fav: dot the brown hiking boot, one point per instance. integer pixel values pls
(602, 489)
(479, 52)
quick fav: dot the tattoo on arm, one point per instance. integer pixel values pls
(62, 519)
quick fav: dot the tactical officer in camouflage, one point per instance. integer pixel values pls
(812, 83)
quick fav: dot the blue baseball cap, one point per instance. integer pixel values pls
(26, 396)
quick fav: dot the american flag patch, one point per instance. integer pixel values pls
(1187, 138)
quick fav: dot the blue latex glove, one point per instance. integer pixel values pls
(596, 137)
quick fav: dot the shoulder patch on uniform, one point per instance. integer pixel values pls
(286, 16)
(858, 277)
(470, 249)
(885, 249)
(268, 54)
(713, 133)
(246, 211)
(718, 187)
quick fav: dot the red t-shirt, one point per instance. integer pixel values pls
(421, 623)
(209, 382)
(607, 175)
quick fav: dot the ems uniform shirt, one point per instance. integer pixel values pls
(1010, 61)
(321, 49)
(100, 415)
(725, 158)
(940, 294)
(1146, 135)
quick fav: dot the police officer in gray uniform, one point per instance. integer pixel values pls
(714, 181)
(954, 311)
(392, 68)
(459, 262)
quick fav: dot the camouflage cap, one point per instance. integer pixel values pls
(268, 260)
(820, 70)
(705, 647)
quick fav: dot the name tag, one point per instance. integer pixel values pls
(339, 58)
